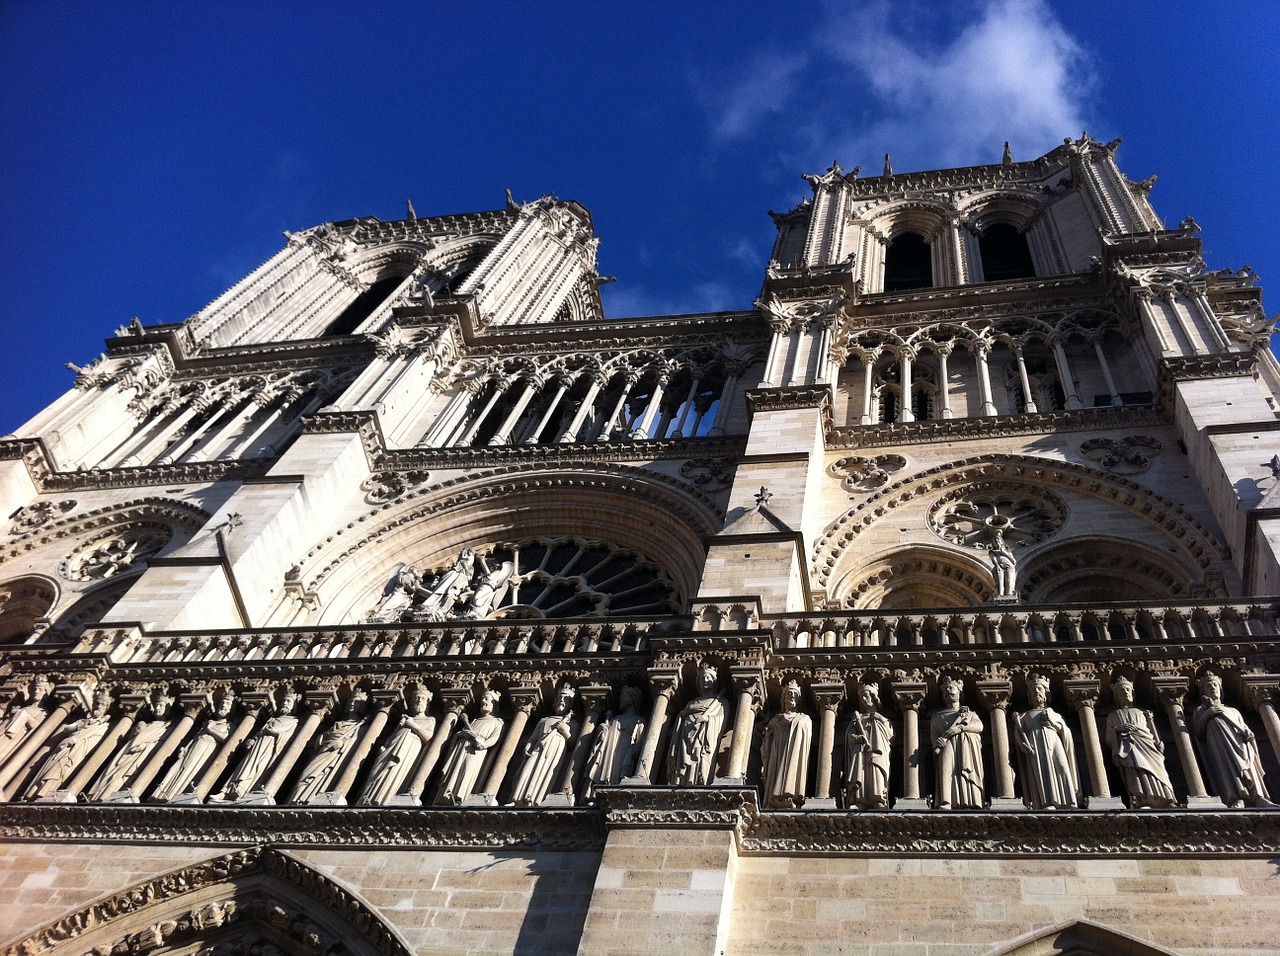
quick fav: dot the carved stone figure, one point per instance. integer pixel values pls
(397, 596)
(72, 745)
(1004, 567)
(956, 732)
(695, 742)
(1229, 747)
(1048, 753)
(617, 745)
(788, 738)
(469, 749)
(395, 762)
(866, 748)
(334, 745)
(24, 716)
(442, 594)
(487, 589)
(1137, 750)
(264, 746)
(545, 751)
(145, 737)
(198, 751)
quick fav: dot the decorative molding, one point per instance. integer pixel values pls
(768, 399)
(47, 479)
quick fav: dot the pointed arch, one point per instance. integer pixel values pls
(256, 893)
(1079, 938)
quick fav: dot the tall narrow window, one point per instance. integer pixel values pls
(362, 307)
(1005, 254)
(908, 264)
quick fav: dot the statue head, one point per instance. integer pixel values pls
(38, 688)
(101, 702)
(564, 698)
(790, 696)
(1038, 690)
(357, 703)
(223, 701)
(1210, 684)
(868, 697)
(708, 678)
(951, 689)
(416, 699)
(1122, 690)
(629, 699)
(488, 701)
(286, 699)
(161, 703)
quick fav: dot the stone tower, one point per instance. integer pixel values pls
(399, 602)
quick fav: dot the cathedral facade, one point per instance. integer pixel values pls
(399, 602)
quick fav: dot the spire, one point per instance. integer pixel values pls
(1007, 159)
(888, 166)
(409, 205)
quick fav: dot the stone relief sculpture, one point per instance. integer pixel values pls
(1229, 748)
(144, 738)
(331, 749)
(25, 715)
(1048, 759)
(866, 749)
(1137, 750)
(545, 751)
(956, 732)
(695, 741)
(399, 593)
(397, 759)
(617, 745)
(440, 595)
(264, 747)
(197, 752)
(73, 744)
(469, 750)
(788, 738)
(1004, 567)
(487, 589)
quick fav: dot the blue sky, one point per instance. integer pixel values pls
(154, 152)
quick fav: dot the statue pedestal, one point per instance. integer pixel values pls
(1007, 805)
(327, 800)
(255, 798)
(912, 803)
(557, 800)
(404, 800)
(121, 796)
(1105, 804)
(819, 803)
(481, 800)
(636, 781)
(58, 796)
(738, 782)
(1205, 803)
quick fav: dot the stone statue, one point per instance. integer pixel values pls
(197, 752)
(1048, 752)
(72, 745)
(866, 749)
(24, 717)
(788, 738)
(957, 752)
(1003, 567)
(333, 746)
(544, 754)
(144, 738)
(396, 760)
(617, 745)
(1137, 750)
(487, 589)
(397, 596)
(1228, 747)
(441, 595)
(264, 746)
(695, 742)
(471, 742)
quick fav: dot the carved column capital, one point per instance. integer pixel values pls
(749, 680)
(128, 705)
(1082, 693)
(663, 681)
(455, 699)
(908, 695)
(382, 698)
(524, 699)
(594, 696)
(827, 696)
(319, 702)
(193, 705)
(1172, 690)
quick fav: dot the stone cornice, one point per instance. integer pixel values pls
(994, 426)
(47, 479)
(982, 299)
(772, 399)
(659, 333)
(411, 459)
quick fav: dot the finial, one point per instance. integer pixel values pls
(1007, 159)
(763, 496)
(888, 166)
(409, 204)
(511, 203)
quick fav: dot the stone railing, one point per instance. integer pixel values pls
(1130, 623)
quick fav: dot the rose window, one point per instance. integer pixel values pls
(974, 518)
(109, 555)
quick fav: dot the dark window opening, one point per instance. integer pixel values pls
(922, 404)
(1005, 254)
(908, 264)
(888, 408)
(363, 306)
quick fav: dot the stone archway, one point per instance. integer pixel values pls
(1079, 938)
(256, 897)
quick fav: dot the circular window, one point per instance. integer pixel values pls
(973, 516)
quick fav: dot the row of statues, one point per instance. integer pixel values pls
(468, 590)
(555, 762)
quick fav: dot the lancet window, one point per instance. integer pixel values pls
(908, 263)
(1005, 253)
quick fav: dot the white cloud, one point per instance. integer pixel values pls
(768, 86)
(624, 301)
(932, 97)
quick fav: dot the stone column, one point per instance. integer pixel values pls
(688, 404)
(1172, 691)
(454, 702)
(827, 698)
(504, 435)
(448, 419)
(1028, 399)
(320, 702)
(524, 699)
(562, 386)
(944, 389)
(748, 684)
(469, 435)
(980, 352)
(1116, 400)
(611, 423)
(593, 701)
(909, 695)
(584, 409)
(192, 705)
(780, 328)
(1260, 693)
(1064, 376)
(69, 697)
(663, 682)
(868, 379)
(253, 702)
(994, 696)
(906, 413)
(733, 372)
(655, 403)
(1083, 696)
(129, 705)
(382, 699)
